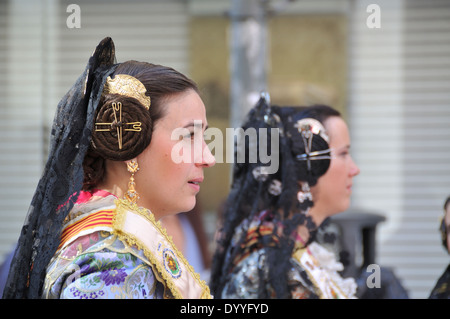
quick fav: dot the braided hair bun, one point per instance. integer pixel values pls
(311, 150)
(123, 128)
(312, 161)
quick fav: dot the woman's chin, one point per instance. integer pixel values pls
(189, 205)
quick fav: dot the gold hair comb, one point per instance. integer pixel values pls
(117, 108)
(127, 85)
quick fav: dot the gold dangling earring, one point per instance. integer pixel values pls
(131, 195)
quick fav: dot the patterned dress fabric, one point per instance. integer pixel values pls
(112, 249)
(314, 271)
(93, 263)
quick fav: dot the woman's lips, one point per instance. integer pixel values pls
(195, 183)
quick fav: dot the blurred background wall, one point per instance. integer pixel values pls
(391, 81)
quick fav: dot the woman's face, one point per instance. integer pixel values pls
(332, 192)
(165, 185)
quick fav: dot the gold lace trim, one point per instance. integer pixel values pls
(122, 206)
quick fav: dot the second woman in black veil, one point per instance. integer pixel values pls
(266, 245)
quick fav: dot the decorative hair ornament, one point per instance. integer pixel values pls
(309, 127)
(118, 124)
(270, 118)
(131, 195)
(275, 187)
(127, 85)
(305, 193)
(261, 173)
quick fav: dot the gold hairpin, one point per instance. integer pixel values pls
(127, 85)
(117, 108)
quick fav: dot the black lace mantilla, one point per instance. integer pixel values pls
(62, 178)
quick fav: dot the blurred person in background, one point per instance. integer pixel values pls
(266, 245)
(442, 288)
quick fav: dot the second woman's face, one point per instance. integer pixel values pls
(332, 192)
(166, 183)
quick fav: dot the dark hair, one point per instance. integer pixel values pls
(249, 196)
(320, 113)
(447, 201)
(161, 83)
(443, 225)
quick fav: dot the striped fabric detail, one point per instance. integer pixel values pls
(253, 241)
(100, 219)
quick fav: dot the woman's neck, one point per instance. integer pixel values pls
(305, 234)
(317, 214)
(113, 189)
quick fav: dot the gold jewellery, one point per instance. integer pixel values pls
(117, 108)
(131, 195)
(126, 85)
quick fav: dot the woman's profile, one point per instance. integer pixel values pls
(93, 227)
(266, 246)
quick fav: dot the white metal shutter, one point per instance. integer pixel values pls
(399, 117)
(42, 57)
(426, 142)
(20, 113)
(153, 31)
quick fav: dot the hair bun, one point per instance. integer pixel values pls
(123, 128)
(310, 148)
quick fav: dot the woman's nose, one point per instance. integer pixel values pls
(208, 159)
(354, 169)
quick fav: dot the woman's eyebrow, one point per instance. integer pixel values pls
(346, 147)
(196, 123)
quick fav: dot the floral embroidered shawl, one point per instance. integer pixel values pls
(110, 249)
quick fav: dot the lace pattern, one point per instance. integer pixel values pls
(62, 178)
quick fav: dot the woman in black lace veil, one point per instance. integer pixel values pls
(266, 219)
(441, 289)
(62, 176)
(100, 139)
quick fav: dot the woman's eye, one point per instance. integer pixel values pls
(193, 135)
